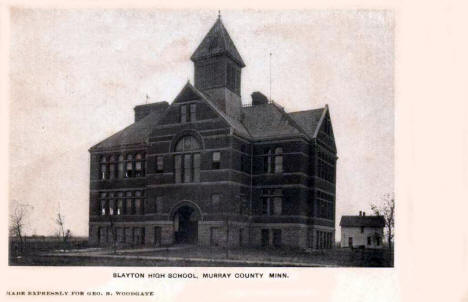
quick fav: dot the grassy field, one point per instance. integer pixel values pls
(53, 252)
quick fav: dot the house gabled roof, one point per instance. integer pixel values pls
(136, 133)
(362, 221)
(308, 120)
(217, 42)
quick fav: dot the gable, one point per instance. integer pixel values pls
(324, 132)
(206, 110)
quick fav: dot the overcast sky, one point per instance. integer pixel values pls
(77, 74)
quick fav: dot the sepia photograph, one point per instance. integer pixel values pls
(201, 138)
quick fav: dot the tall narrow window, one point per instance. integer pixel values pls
(193, 112)
(277, 205)
(278, 160)
(187, 164)
(120, 204)
(103, 168)
(183, 113)
(138, 165)
(112, 166)
(216, 158)
(111, 206)
(159, 164)
(267, 161)
(129, 203)
(138, 205)
(102, 203)
(103, 207)
(188, 167)
(196, 167)
(178, 168)
(129, 166)
(120, 167)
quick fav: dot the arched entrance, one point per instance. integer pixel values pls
(186, 224)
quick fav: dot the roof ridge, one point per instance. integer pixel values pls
(290, 119)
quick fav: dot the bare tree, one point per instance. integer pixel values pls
(63, 234)
(387, 210)
(18, 221)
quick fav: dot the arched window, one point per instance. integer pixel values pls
(103, 167)
(278, 160)
(187, 160)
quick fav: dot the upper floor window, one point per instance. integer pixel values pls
(216, 160)
(188, 113)
(187, 164)
(139, 165)
(278, 160)
(120, 166)
(129, 166)
(193, 112)
(272, 202)
(103, 167)
(273, 160)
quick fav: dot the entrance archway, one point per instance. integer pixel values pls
(186, 224)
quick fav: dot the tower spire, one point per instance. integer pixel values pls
(219, 14)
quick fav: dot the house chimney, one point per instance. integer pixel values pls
(363, 213)
(259, 98)
(360, 213)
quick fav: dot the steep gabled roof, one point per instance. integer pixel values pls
(362, 221)
(136, 133)
(217, 42)
(308, 119)
(269, 121)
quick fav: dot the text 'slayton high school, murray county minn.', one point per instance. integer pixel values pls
(208, 170)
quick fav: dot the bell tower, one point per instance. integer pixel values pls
(218, 67)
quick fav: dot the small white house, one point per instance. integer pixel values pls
(362, 231)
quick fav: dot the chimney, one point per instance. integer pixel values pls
(363, 213)
(258, 98)
(360, 213)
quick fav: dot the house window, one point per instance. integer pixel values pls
(215, 200)
(183, 113)
(159, 164)
(120, 210)
(369, 241)
(129, 204)
(103, 207)
(187, 164)
(273, 162)
(362, 229)
(272, 202)
(267, 161)
(216, 157)
(120, 167)
(379, 240)
(139, 165)
(111, 206)
(103, 168)
(129, 166)
(112, 167)
(193, 112)
(276, 237)
(278, 160)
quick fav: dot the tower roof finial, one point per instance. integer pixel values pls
(219, 14)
